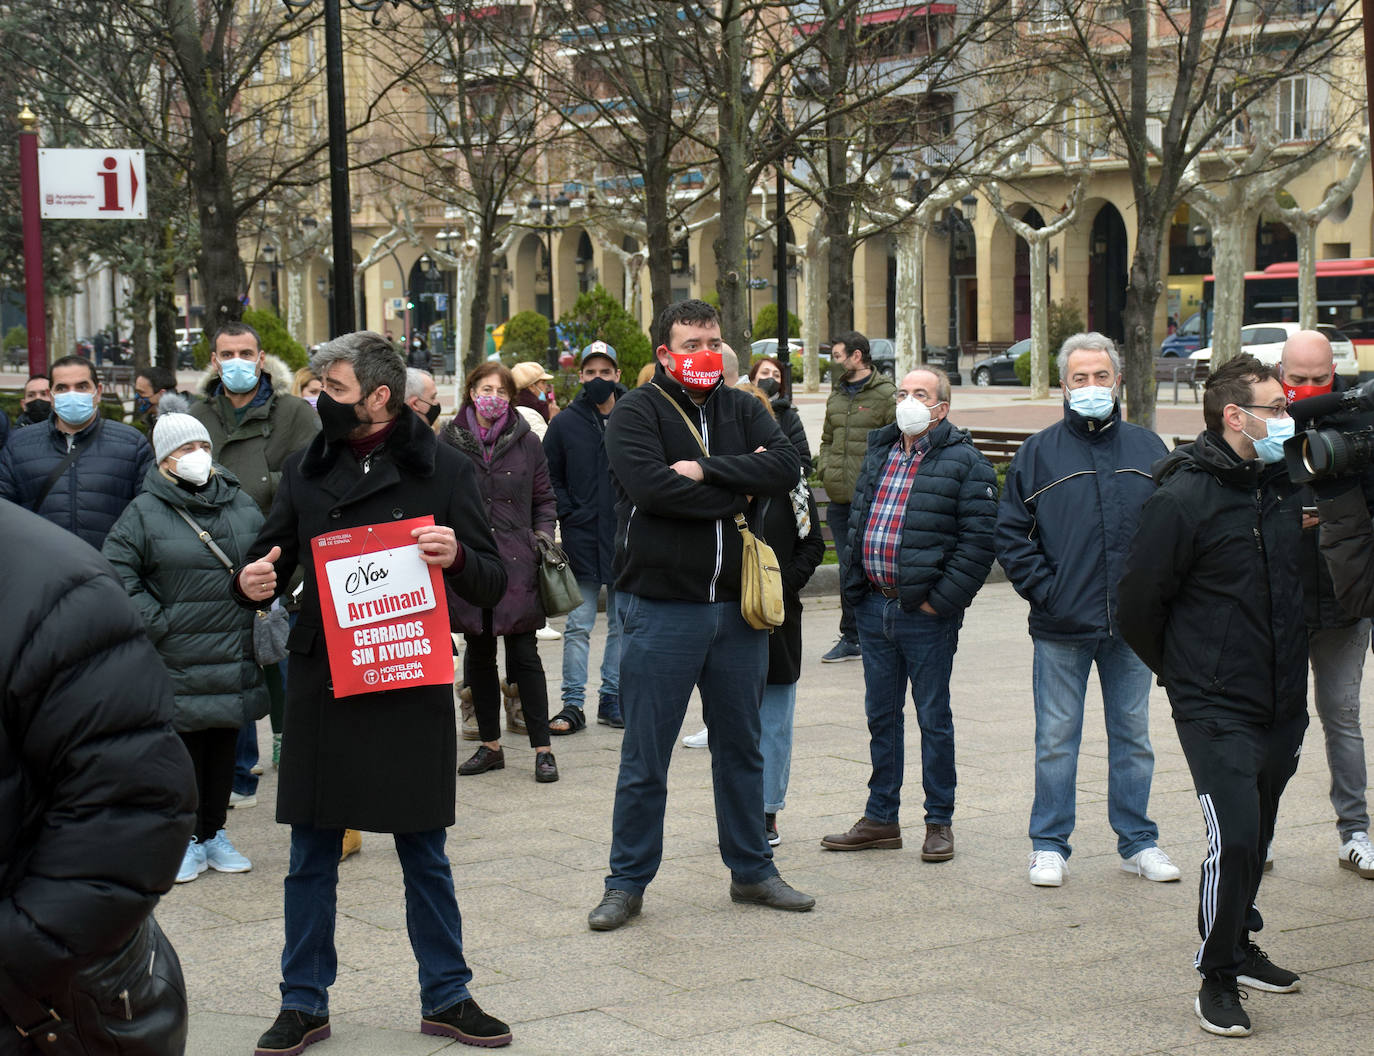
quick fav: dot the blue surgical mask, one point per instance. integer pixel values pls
(74, 408)
(1092, 401)
(1269, 448)
(239, 375)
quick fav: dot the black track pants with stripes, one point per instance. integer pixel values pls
(1239, 770)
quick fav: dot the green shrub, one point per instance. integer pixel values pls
(1023, 368)
(1066, 319)
(16, 337)
(276, 339)
(527, 339)
(766, 323)
(597, 316)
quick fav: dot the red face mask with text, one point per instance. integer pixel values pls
(698, 370)
(1294, 393)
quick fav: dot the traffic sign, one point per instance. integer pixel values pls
(80, 184)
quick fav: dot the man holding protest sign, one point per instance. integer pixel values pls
(381, 517)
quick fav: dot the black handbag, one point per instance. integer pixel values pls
(132, 1003)
(558, 590)
(270, 626)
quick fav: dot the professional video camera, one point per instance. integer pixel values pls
(1338, 438)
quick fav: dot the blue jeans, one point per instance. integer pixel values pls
(1059, 681)
(308, 960)
(577, 645)
(667, 647)
(775, 741)
(837, 520)
(1337, 655)
(900, 648)
(245, 758)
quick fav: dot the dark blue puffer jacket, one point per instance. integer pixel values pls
(575, 446)
(947, 534)
(1069, 510)
(93, 491)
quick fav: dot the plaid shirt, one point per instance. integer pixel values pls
(882, 538)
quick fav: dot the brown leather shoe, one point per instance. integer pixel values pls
(865, 836)
(939, 845)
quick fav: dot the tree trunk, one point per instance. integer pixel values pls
(816, 280)
(1040, 317)
(1142, 294)
(1229, 231)
(477, 303)
(165, 326)
(910, 279)
(658, 235)
(295, 302)
(1307, 269)
(732, 151)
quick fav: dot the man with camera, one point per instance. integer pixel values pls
(1336, 641)
(1211, 600)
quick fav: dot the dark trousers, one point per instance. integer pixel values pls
(212, 755)
(1239, 770)
(522, 668)
(837, 520)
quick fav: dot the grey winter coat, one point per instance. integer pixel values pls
(181, 590)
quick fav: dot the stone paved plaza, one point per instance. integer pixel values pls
(898, 956)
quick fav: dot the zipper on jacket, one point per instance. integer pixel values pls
(720, 541)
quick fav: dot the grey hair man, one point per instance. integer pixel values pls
(1336, 641)
(1064, 526)
(422, 395)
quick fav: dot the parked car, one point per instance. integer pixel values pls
(1001, 368)
(769, 347)
(1185, 340)
(1265, 341)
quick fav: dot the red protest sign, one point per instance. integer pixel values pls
(385, 618)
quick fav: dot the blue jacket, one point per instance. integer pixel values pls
(1069, 510)
(575, 446)
(946, 549)
(93, 491)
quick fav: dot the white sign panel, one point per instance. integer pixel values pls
(92, 185)
(380, 585)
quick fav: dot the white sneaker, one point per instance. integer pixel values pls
(1269, 857)
(1152, 864)
(548, 634)
(696, 740)
(1047, 868)
(1357, 854)
(241, 802)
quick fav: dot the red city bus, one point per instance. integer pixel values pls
(1345, 300)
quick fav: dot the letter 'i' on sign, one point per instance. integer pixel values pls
(79, 184)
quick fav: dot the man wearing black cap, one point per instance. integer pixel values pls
(581, 475)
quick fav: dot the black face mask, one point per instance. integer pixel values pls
(432, 415)
(337, 420)
(599, 390)
(38, 410)
(769, 386)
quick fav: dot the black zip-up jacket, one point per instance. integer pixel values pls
(1067, 516)
(580, 473)
(1211, 598)
(676, 538)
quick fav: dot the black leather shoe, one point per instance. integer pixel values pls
(482, 760)
(291, 1033)
(545, 769)
(615, 909)
(775, 892)
(466, 1022)
(608, 712)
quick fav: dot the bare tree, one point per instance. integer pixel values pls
(1168, 79)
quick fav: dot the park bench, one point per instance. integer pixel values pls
(120, 379)
(1176, 371)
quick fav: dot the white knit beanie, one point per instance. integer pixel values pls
(173, 430)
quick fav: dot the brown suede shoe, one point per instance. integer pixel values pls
(865, 836)
(939, 845)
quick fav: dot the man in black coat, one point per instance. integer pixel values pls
(581, 476)
(920, 547)
(678, 556)
(88, 759)
(36, 404)
(383, 761)
(78, 470)
(1211, 600)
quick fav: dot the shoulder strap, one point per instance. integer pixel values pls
(205, 538)
(673, 403)
(62, 467)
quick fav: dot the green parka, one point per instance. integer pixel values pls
(844, 437)
(182, 591)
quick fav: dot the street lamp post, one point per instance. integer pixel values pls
(342, 316)
(955, 226)
(555, 217)
(270, 252)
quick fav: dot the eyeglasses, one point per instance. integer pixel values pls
(1276, 410)
(902, 394)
